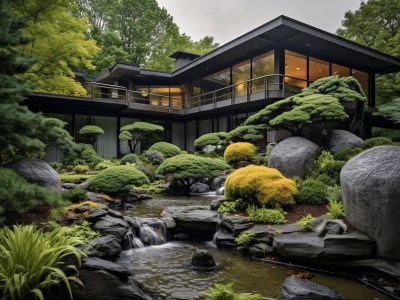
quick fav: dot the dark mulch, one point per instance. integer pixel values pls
(35, 216)
(297, 211)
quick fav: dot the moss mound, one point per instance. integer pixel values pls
(118, 180)
(166, 149)
(129, 158)
(260, 185)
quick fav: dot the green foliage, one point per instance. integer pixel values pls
(81, 169)
(306, 222)
(57, 43)
(129, 158)
(244, 238)
(92, 132)
(228, 206)
(89, 155)
(268, 150)
(32, 261)
(345, 154)
(259, 184)
(19, 196)
(390, 111)
(336, 209)
(153, 156)
(264, 215)
(260, 161)
(105, 164)
(149, 170)
(334, 193)
(393, 134)
(329, 173)
(74, 178)
(246, 133)
(226, 292)
(241, 151)
(188, 169)
(117, 180)
(376, 141)
(74, 195)
(214, 138)
(56, 166)
(138, 131)
(320, 102)
(82, 230)
(376, 24)
(312, 191)
(323, 159)
(166, 149)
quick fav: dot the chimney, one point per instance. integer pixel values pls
(183, 58)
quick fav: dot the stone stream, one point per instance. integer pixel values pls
(163, 266)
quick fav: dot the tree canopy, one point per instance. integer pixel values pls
(376, 24)
(390, 111)
(188, 169)
(246, 133)
(57, 43)
(214, 138)
(138, 131)
(136, 32)
(92, 132)
(23, 133)
(322, 101)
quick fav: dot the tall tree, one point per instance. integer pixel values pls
(57, 43)
(23, 133)
(376, 24)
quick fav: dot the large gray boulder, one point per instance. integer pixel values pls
(371, 196)
(203, 260)
(36, 171)
(112, 226)
(105, 247)
(307, 246)
(293, 156)
(338, 139)
(294, 288)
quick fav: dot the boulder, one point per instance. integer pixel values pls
(69, 185)
(209, 148)
(261, 234)
(235, 224)
(294, 156)
(95, 214)
(352, 245)
(261, 250)
(84, 185)
(217, 182)
(224, 239)
(215, 204)
(203, 260)
(115, 226)
(199, 188)
(330, 226)
(36, 171)
(98, 197)
(294, 288)
(370, 189)
(306, 246)
(338, 139)
(105, 247)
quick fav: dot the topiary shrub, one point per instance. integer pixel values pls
(188, 169)
(331, 169)
(86, 155)
(81, 169)
(117, 180)
(129, 158)
(153, 156)
(376, 141)
(74, 195)
(167, 149)
(19, 196)
(214, 138)
(241, 151)
(105, 164)
(260, 185)
(312, 191)
(92, 132)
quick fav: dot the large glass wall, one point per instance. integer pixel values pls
(176, 97)
(240, 74)
(217, 82)
(263, 65)
(340, 70)
(164, 96)
(317, 69)
(159, 96)
(362, 78)
(295, 70)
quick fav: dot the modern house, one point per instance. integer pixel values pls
(216, 91)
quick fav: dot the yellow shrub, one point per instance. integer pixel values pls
(259, 184)
(240, 151)
(91, 204)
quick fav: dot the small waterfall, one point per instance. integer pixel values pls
(131, 241)
(150, 237)
(220, 191)
(149, 231)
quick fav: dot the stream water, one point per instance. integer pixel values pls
(165, 271)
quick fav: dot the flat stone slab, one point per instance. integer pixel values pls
(105, 265)
(285, 228)
(304, 246)
(235, 223)
(350, 245)
(261, 233)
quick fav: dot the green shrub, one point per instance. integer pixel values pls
(129, 158)
(105, 164)
(89, 155)
(74, 195)
(74, 178)
(240, 151)
(345, 154)
(188, 169)
(150, 171)
(334, 193)
(154, 157)
(56, 166)
(331, 169)
(214, 138)
(32, 261)
(228, 206)
(268, 150)
(244, 238)
(312, 191)
(260, 161)
(393, 134)
(376, 141)
(19, 196)
(82, 230)
(226, 292)
(306, 222)
(166, 149)
(265, 215)
(117, 180)
(81, 169)
(259, 184)
(323, 159)
(336, 209)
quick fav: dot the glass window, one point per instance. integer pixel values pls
(295, 71)
(176, 97)
(317, 69)
(240, 74)
(362, 78)
(262, 65)
(340, 70)
(159, 96)
(141, 94)
(217, 81)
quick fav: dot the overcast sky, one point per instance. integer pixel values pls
(228, 19)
